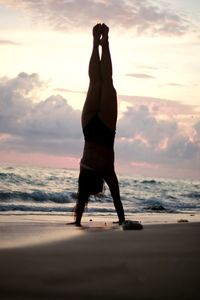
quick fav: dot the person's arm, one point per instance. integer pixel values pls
(112, 182)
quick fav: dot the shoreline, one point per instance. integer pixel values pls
(17, 230)
(146, 217)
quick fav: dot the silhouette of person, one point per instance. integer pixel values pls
(99, 118)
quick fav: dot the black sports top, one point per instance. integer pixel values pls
(97, 132)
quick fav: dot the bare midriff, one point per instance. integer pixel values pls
(98, 157)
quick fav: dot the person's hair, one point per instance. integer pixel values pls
(90, 182)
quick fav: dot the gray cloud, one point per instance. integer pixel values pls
(142, 16)
(14, 99)
(51, 124)
(197, 129)
(140, 121)
(53, 118)
(141, 137)
(183, 149)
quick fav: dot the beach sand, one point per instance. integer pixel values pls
(45, 259)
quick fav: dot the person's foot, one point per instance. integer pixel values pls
(97, 32)
(74, 223)
(105, 30)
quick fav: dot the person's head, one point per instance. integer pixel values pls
(90, 182)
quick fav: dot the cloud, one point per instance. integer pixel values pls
(142, 135)
(148, 133)
(140, 75)
(141, 122)
(175, 84)
(148, 67)
(145, 138)
(197, 130)
(161, 106)
(53, 118)
(183, 149)
(8, 42)
(51, 125)
(142, 16)
(68, 91)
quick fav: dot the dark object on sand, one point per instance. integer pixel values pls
(131, 225)
(182, 221)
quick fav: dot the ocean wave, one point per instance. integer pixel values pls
(28, 208)
(100, 210)
(56, 197)
(39, 196)
(171, 197)
(49, 209)
(151, 181)
(100, 199)
(157, 205)
(12, 178)
(52, 191)
(193, 195)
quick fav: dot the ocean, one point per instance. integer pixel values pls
(49, 191)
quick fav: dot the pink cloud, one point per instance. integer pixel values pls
(142, 17)
(144, 165)
(163, 144)
(140, 75)
(42, 160)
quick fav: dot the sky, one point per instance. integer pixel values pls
(45, 48)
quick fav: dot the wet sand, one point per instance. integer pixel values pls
(161, 261)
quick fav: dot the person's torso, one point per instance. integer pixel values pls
(97, 132)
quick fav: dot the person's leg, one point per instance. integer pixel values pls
(108, 103)
(112, 182)
(91, 106)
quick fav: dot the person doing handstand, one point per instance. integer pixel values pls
(99, 118)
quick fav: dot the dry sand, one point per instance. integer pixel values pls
(159, 262)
